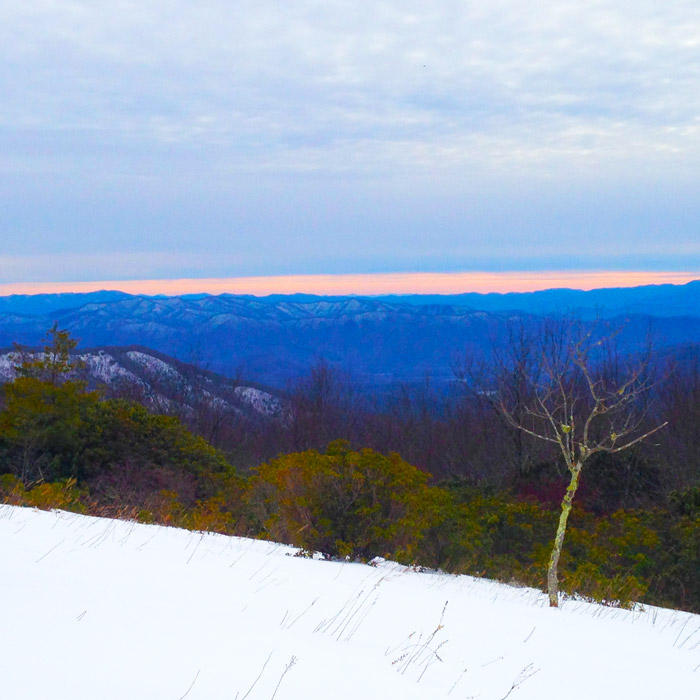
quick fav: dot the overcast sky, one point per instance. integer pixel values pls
(249, 137)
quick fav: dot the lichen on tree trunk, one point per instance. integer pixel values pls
(553, 570)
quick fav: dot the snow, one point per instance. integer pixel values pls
(7, 366)
(108, 609)
(101, 365)
(105, 368)
(261, 401)
(154, 366)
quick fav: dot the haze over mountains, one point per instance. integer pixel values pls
(378, 339)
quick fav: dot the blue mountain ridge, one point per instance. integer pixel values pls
(380, 340)
(651, 300)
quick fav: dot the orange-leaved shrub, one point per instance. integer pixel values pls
(60, 495)
(345, 503)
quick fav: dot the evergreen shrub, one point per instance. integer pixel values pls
(345, 503)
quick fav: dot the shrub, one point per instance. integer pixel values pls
(63, 495)
(614, 559)
(490, 534)
(130, 453)
(210, 516)
(42, 429)
(345, 503)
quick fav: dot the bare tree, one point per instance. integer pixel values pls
(518, 365)
(680, 401)
(322, 407)
(583, 398)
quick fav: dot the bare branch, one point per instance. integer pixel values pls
(637, 440)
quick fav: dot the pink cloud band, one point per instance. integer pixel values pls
(367, 284)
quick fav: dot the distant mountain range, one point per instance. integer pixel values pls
(649, 300)
(43, 304)
(378, 339)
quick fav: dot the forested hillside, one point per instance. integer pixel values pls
(432, 479)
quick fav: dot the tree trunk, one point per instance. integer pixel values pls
(553, 571)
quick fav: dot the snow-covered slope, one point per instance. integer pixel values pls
(162, 382)
(108, 609)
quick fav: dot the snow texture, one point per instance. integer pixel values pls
(101, 365)
(111, 609)
(105, 368)
(8, 361)
(261, 401)
(153, 365)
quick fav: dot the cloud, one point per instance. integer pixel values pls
(222, 112)
(397, 79)
(85, 266)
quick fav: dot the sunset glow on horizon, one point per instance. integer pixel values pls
(366, 284)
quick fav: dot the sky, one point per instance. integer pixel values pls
(247, 139)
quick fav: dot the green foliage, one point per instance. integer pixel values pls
(491, 535)
(42, 428)
(54, 363)
(63, 447)
(43, 423)
(617, 559)
(622, 480)
(52, 429)
(610, 559)
(50, 432)
(345, 503)
(130, 452)
(686, 502)
(675, 580)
